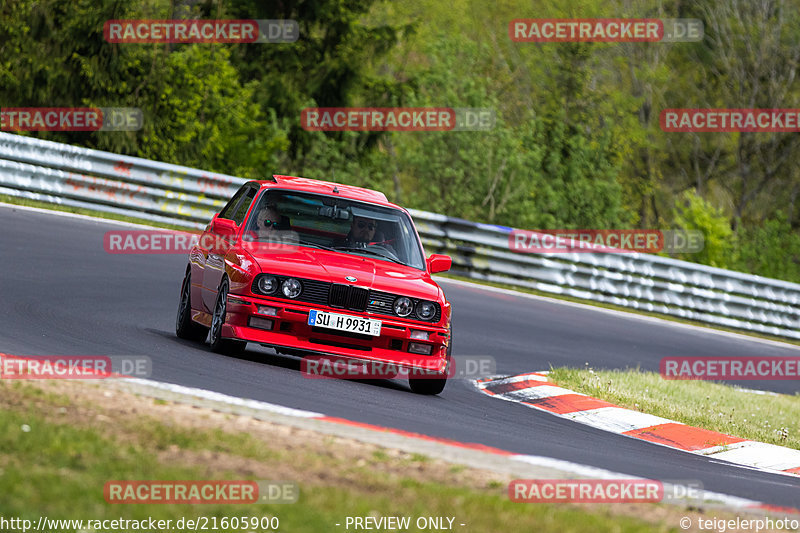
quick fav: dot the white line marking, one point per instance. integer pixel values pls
(79, 216)
(616, 419)
(224, 398)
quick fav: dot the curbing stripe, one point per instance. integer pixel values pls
(566, 403)
(536, 392)
(685, 437)
(615, 419)
(511, 386)
(762, 455)
(549, 397)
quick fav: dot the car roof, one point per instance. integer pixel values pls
(350, 192)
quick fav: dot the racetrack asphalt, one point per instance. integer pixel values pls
(62, 294)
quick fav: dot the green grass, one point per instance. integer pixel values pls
(761, 417)
(58, 470)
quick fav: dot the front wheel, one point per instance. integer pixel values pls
(215, 340)
(427, 386)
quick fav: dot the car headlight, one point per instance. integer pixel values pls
(291, 288)
(268, 284)
(403, 306)
(426, 310)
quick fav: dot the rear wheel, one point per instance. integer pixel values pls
(185, 327)
(215, 340)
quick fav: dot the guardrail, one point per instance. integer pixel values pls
(183, 196)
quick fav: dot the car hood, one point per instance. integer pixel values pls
(311, 263)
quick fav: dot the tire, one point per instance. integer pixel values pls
(431, 386)
(214, 339)
(185, 327)
(427, 386)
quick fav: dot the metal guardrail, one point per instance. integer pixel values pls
(183, 196)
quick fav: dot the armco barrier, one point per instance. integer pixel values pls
(73, 176)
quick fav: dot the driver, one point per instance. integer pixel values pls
(362, 231)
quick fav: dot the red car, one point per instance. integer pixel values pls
(313, 267)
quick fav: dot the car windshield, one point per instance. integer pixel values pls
(329, 222)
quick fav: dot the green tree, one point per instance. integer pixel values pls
(770, 249)
(695, 213)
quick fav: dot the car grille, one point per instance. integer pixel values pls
(314, 292)
(348, 297)
(381, 302)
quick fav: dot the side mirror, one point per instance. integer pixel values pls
(439, 263)
(224, 227)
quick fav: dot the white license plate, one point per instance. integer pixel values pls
(353, 324)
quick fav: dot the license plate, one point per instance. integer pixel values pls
(353, 324)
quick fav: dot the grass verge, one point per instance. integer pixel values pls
(59, 445)
(771, 418)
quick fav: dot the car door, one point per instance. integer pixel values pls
(218, 238)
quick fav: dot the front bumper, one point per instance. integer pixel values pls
(290, 329)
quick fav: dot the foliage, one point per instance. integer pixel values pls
(695, 213)
(770, 249)
(576, 144)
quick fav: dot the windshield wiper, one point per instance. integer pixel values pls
(315, 245)
(368, 251)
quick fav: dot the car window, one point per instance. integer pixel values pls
(227, 211)
(244, 205)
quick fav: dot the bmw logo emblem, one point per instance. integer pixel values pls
(351, 278)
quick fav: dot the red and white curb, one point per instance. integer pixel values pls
(535, 390)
